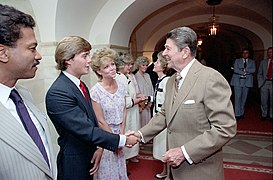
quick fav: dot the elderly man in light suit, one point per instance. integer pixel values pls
(199, 119)
(242, 81)
(265, 85)
(21, 158)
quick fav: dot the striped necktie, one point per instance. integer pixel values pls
(178, 78)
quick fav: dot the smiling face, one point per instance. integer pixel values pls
(157, 67)
(143, 67)
(108, 69)
(172, 54)
(21, 60)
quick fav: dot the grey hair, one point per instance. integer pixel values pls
(123, 59)
(141, 60)
(184, 37)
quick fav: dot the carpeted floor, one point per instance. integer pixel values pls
(148, 167)
(247, 157)
(252, 124)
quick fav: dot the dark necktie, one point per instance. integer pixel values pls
(27, 122)
(269, 71)
(244, 63)
(82, 87)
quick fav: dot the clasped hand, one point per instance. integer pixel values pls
(132, 138)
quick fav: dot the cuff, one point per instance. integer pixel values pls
(186, 155)
(141, 137)
(122, 140)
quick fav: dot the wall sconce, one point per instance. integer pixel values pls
(199, 42)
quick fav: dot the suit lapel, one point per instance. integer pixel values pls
(14, 134)
(265, 67)
(87, 107)
(75, 90)
(42, 120)
(186, 87)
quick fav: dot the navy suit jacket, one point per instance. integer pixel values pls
(76, 124)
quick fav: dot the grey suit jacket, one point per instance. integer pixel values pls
(201, 118)
(20, 158)
(262, 72)
(250, 68)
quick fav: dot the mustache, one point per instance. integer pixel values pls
(36, 63)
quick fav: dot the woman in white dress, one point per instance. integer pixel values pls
(124, 65)
(145, 87)
(159, 143)
(109, 104)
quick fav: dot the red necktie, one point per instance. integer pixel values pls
(82, 87)
(269, 71)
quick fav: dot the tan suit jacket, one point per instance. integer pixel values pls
(20, 158)
(201, 118)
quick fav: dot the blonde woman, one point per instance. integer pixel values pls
(108, 100)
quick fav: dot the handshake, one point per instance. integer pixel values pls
(132, 138)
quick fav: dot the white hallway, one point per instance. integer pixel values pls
(139, 26)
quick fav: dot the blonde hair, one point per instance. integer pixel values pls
(101, 56)
(163, 62)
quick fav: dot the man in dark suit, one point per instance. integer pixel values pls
(69, 108)
(197, 113)
(26, 151)
(150, 68)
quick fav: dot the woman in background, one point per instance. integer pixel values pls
(108, 100)
(124, 65)
(145, 87)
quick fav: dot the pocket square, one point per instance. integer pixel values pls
(189, 102)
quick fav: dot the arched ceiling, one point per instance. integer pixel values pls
(115, 21)
(250, 19)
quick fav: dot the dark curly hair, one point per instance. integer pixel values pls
(11, 22)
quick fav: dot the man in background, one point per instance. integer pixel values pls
(25, 144)
(242, 81)
(153, 75)
(265, 84)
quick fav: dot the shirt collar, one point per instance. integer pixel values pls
(74, 79)
(186, 69)
(5, 92)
